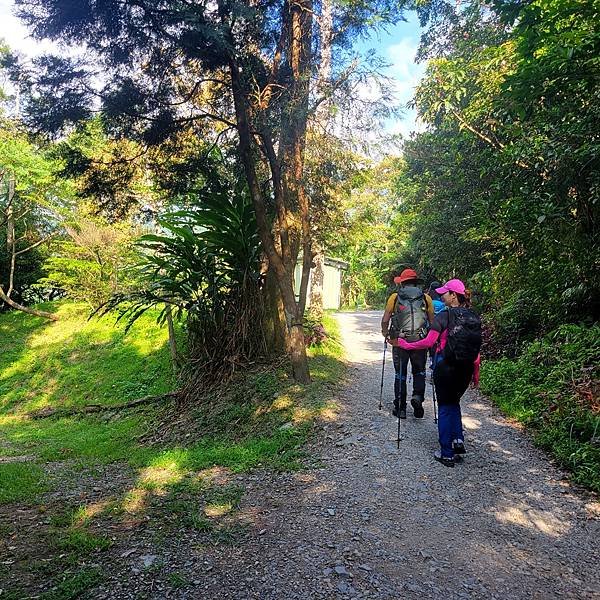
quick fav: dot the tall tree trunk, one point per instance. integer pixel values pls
(292, 146)
(288, 189)
(10, 236)
(317, 279)
(324, 75)
(282, 274)
(275, 323)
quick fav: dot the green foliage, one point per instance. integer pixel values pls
(205, 268)
(40, 200)
(20, 482)
(94, 261)
(365, 235)
(552, 387)
(112, 175)
(505, 182)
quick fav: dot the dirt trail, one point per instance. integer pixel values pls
(369, 521)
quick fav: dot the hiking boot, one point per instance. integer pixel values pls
(399, 411)
(417, 404)
(447, 462)
(459, 447)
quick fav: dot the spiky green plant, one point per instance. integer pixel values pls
(204, 267)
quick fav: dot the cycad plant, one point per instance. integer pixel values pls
(204, 268)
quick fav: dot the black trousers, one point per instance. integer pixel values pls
(451, 381)
(418, 360)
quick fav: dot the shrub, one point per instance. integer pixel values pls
(553, 388)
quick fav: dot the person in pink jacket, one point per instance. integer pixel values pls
(457, 333)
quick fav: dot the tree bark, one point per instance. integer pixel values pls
(316, 288)
(10, 236)
(284, 189)
(292, 149)
(321, 118)
(275, 323)
(26, 309)
(282, 274)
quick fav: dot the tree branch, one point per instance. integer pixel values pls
(38, 243)
(25, 309)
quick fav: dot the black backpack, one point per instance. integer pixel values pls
(410, 314)
(464, 336)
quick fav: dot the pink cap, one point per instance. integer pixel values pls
(454, 285)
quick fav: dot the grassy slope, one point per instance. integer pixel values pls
(260, 420)
(75, 362)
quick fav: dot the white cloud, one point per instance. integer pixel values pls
(406, 73)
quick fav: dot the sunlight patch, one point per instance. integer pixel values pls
(85, 514)
(136, 500)
(157, 477)
(218, 510)
(545, 522)
(282, 402)
(471, 423)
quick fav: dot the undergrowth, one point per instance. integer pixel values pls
(552, 387)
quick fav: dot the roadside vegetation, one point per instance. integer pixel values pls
(552, 387)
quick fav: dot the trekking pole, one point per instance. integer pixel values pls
(382, 371)
(434, 400)
(398, 440)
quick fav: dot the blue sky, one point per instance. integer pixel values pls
(397, 46)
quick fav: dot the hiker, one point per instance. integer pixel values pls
(410, 312)
(458, 330)
(438, 305)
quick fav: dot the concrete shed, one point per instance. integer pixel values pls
(332, 281)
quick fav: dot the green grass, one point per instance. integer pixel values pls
(177, 580)
(73, 585)
(73, 362)
(550, 388)
(20, 482)
(259, 421)
(80, 542)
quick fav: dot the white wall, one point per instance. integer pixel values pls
(332, 285)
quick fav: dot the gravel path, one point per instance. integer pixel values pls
(374, 522)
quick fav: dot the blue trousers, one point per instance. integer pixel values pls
(449, 427)
(451, 382)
